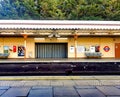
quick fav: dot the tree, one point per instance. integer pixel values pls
(7, 11)
(60, 9)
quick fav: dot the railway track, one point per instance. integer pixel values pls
(59, 68)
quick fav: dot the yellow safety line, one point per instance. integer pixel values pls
(44, 78)
(58, 78)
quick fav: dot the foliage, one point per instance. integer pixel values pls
(60, 9)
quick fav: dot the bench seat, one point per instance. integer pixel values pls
(93, 54)
(4, 55)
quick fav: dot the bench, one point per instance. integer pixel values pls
(4, 55)
(93, 54)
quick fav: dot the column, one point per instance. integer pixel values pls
(75, 42)
(25, 44)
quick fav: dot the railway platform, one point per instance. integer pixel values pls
(60, 86)
(59, 66)
(59, 60)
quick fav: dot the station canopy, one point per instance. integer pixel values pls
(61, 27)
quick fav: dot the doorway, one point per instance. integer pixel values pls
(51, 50)
(117, 50)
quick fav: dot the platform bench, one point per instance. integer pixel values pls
(4, 55)
(93, 54)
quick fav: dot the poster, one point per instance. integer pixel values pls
(72, 49)
(21, 50)
(6, 48)
(80, 49)
(92, 49)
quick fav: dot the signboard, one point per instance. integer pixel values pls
(92, 49)
(6, 48)
(21, 50)
(106, 48)
(72, 49)
(80, 49)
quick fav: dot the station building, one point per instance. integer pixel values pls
(59, 39)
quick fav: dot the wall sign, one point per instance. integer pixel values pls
(14, 48)
(106, 48)
(21, 50)
(80, 49)
(92, 49)
(72, 49)
(6, 48)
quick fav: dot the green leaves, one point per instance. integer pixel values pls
(60, 9)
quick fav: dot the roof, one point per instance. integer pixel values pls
(58, 24)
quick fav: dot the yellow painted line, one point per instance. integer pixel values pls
(107, 77)
(46, 78)
(7, 78)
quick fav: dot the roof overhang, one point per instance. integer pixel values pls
(58, 24)
(47, 28)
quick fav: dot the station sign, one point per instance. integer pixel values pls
(106, 48)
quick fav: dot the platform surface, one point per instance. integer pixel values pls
(60, 86)
(58, 60)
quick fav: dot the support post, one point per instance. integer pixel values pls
(75, 42)
(25, 38)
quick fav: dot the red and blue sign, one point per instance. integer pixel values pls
(106, 48)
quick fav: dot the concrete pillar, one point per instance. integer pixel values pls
(75, 42)
(25, 44)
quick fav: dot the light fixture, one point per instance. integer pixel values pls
(62, 38)
(87, 33)
(5, 33)
(54, 35)
(116, 33)
(39, 38)
(51, 35)
(57, 35)
(101, 33)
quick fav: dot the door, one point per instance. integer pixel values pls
(117, 50)
(51, 50)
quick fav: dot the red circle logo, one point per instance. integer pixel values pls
(106, 48)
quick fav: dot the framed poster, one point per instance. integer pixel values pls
(6, 48)
(21, 50)
(72, 49)
(80, 49)
(92, 49)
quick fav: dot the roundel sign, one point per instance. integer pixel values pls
(106, 48)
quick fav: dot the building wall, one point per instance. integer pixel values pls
(81, 41)
(71, 43)
(11, 42)
(87, 42)
(107, 42)
(30, 48)
(17, 42)
(101, 41)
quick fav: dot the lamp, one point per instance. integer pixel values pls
(51, 35)
(54, 35)
(57, 35)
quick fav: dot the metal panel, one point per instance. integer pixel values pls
(51, 50)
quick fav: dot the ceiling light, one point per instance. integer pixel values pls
(104, 33)
(116, 33)
(51, 35)
(62, 38)
(39, 38)
(57, 35)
